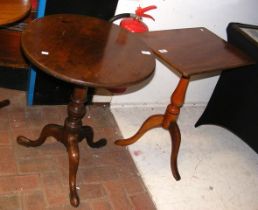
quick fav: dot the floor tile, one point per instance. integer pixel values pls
(10, 202)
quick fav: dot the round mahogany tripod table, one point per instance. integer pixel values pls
(12, 11)
(86, 52)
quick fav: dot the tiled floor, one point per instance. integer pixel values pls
(37, 178)
(218, 170)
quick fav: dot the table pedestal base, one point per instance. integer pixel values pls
(69, 135)
(167, 121)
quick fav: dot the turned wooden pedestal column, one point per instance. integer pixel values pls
(86, 52)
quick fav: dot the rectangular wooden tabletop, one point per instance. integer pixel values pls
(193, 51)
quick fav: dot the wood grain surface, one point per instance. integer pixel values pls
(87, 51)
(13, 10)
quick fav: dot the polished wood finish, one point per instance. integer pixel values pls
(189, 52)
(4, 103)
(69, 135)
(84, 51)
(87, 51)
(193, 51)
(13, 10)
(10, 41)
(10, 53)
(10, 12)
(168, 121)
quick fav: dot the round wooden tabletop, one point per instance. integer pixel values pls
(87, 51)
(13, 10)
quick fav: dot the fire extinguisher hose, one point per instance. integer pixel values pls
(119, 16)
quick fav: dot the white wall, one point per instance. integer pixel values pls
(212, 14)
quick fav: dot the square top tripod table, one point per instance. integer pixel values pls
(86, 52)
(190, 52)
(11, 12)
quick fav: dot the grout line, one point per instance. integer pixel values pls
(153, 105)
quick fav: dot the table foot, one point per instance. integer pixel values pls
(49, 130)
(4, 103)
(74, 157)
(176, 140)
(87, 132)
(74, 198)
(152, 122)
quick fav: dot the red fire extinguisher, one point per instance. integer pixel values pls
(133, 23)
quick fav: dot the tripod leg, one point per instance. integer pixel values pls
(49, 130)
(87, 132)
(176, 140)
(152, 122)
(74, 156)
(4, 103)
